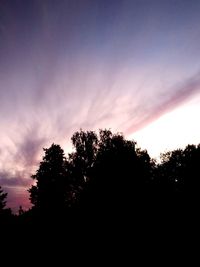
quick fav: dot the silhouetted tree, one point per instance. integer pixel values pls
(107, 173)
(50, 192)
(21, 211)
(81, 161)
(169, 172)
(120, 174)
(5, 213)
(3, 197)
(179, 171)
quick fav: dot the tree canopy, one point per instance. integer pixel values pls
(50, 191)
(106, 173)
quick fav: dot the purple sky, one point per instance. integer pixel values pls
(66, 65)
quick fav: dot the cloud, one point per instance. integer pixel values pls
(177, 95)
(29, 146)
(15, 173)
(16, 179)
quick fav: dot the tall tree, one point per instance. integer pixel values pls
(120, 173)
(81, 161)
(3, 197)
(5, 213)
(50, 192)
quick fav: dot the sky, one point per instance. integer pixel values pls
(130, 65)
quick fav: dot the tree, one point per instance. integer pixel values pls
(120, 173)
(3, 197)
(50, 192)
(81, 161)
(86, 147)
(21, 211)
(179, 171)
(5, 213)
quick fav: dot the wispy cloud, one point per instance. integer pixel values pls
(176, 96)
(14, 179)
(28, 147)
(19, 165)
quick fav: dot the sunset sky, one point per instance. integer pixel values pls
(129, 65)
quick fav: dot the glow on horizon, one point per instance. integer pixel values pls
(175, 129)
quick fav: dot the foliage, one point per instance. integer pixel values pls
(3, 197)
(107, 173)
(50, 191)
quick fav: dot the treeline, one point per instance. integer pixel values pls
(108, 176)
